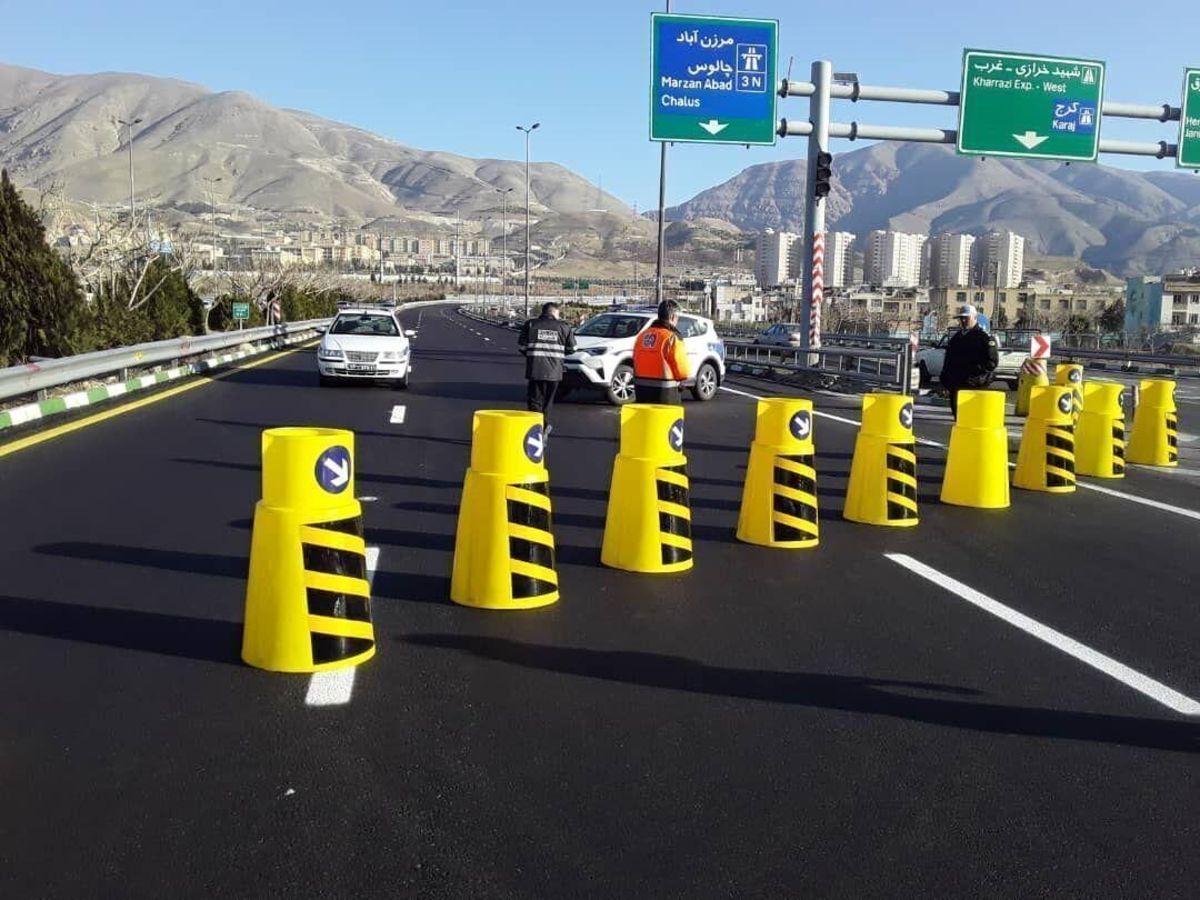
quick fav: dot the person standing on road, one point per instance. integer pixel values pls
(545, 341)
(971, 357)
(660, 363)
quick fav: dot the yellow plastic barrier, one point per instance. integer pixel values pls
(883, 475)
(1071, 375)
(1155, 439)
(1046, 461)
(308, 602)
(977, 462)
(779, 497)
(1100, 438)
(1033, 374)
(648, 527)
(504, 548)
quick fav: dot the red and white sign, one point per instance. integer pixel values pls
(1039, 347)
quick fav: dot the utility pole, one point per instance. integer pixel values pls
(527, 131)
(662, 215)
(129, 140)
(813, 289)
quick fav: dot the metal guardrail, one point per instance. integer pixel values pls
(888, 369)
(1130, 357)
(30, 378)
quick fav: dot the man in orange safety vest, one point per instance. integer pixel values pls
(660, 363)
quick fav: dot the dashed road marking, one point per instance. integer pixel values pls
(1144, 684)
(398, 414)
(336, 687)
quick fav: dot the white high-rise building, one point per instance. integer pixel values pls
(1000, 260)
(773, 258)
(839, 259)
(893, 258)
(950, 260)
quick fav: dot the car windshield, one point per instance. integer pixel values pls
(384, 326)
(612, 326)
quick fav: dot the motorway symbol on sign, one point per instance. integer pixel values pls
(906, 416)
(675, 436)
(801, 425)
(1189, 122)
(535, 444)
(241, 310)
(1038, 107)
(333, 469)
(1039, 347)
(713, 79)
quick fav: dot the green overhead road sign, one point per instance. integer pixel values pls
(241, 311)
(1189, 122)
(713, 79)
(1037, 107)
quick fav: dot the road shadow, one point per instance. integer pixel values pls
(820, 691)
(487, 392)
(169, 560)
(207, 640)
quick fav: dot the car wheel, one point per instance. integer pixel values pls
(926, 379)
(620, 389)
(707, 382)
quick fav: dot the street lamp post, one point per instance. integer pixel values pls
(504, 192)
(527, 131)
(129, 140)
(212, 216)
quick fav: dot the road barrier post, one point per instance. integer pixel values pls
(1046, 461)
(1071, 375)
(1155, 439)
(977, 462)
(504, 548)
(883, 475)
(1033, 374)
(779, 497)
(1100, 438)
(308, 601)
(648, 527)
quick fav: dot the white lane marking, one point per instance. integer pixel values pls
(335, 688)
(1144, 684)
(1120, 495)
(398, 413)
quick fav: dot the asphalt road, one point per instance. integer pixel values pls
(814, 723)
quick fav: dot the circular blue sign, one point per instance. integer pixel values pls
(675, 436)
(1064, 403)
(334, 469)
(801, 425)
(1074, 376)
(535, 444)
(906, 415)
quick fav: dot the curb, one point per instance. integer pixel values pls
(32, 412)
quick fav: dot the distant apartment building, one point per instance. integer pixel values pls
(1162, 302)
(839, 259)
(1000, 260)
(773, 258)
(893, 259)
(950, 260)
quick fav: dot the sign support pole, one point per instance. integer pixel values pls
(812, 291)
(662, 215)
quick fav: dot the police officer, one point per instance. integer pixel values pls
(971, 357)
(660, 363)
(545, 341)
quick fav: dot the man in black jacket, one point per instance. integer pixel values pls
(971, 357)
(545, 341)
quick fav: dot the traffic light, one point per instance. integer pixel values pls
(824, 171)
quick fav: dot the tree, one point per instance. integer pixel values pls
(1113, 316)
(40, 302)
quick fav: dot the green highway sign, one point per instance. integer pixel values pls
(1036, 107)
(713, 79)
(241, 311)
(1189, 122)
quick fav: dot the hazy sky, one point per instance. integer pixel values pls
(458, 76)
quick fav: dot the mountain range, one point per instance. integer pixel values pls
(1111, 218)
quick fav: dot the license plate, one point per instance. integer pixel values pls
(356, 367)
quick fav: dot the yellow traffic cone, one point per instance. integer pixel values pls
(977, 462)
(1100, 438)
(504, 548)
(883, 475)
(1046, 461)
(1071, 375)
(308, 603)
(648, 527)
(1155, 439)
(1033, 374)
(779, 498)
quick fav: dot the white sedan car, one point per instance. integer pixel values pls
(365, 343)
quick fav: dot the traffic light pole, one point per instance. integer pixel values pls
(813, 285)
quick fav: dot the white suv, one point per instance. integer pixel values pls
(603, 359)
(365, 343)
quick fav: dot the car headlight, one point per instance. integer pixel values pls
(595, 351)
(393, 356)
(329, 353)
